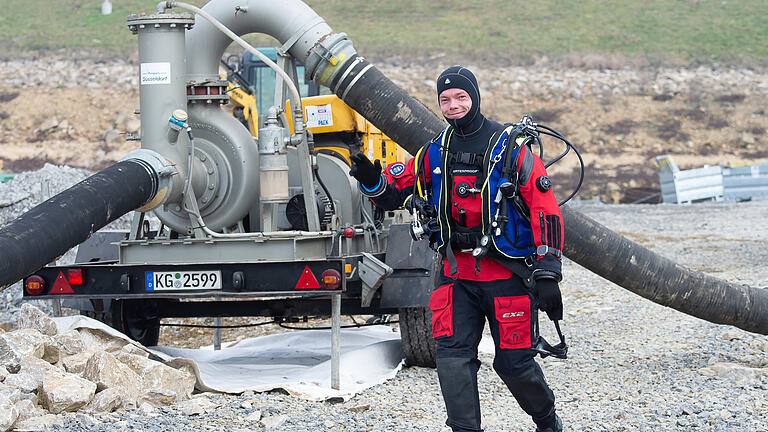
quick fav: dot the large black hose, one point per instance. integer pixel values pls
(591, 245)
(401, 117)
(661, 280)
(47, 231)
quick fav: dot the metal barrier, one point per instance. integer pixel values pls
(688, 185)
(740, 183)
(710, 182)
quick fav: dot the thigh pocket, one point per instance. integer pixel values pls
(514, 317)
(441, 304)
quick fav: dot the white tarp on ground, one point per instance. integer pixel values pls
(298, 362)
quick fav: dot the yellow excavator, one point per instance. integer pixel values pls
(337, 129)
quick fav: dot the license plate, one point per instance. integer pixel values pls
(184, 280)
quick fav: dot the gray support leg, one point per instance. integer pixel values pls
(217, 334)
(335, 339)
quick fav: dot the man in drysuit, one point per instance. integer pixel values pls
(489, 195)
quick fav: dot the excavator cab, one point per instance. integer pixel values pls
(337, 129)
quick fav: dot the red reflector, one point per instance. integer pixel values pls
(35, 285)
(307, 280)
(61, 285)
(331, 279)
(75, 276)
(349, 232)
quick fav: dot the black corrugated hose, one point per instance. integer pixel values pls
(48, 230)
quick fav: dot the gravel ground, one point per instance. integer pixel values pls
(634, 365)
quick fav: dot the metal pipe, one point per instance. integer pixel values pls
(248, 47)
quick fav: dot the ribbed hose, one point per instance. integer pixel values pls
(661, 280)
(364, 88)
(401, 117)
(47, 231)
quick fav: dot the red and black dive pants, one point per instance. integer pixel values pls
(460, 308)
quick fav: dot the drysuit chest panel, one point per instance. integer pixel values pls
(466, 200)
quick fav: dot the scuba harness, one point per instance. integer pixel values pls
(425, 221)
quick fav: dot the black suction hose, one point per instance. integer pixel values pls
(591, 245)
(401, 117)
(48, 230)
(661, 280)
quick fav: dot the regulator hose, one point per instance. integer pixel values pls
(48, 230)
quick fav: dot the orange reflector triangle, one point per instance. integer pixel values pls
(61, 286)
(307, 280)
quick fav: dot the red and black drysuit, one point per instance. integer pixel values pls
(471, 291)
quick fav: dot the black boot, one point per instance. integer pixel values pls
(557, 426)
(535, 397)
(458, 383)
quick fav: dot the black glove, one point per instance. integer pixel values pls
(421, 205)
(550, 298)
(367, 173)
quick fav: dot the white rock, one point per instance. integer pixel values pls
(112, 136)
(133, 349)
(76, 363)
(98, 340)
(8, 357)
(159, 397)
(28, 409)
(8, 414)
(254, 416)
(105, 371)
(106, 400)
(158, 377)
(273, 422)
(197, 406)
(49, 124)
(735, 372)
(62, 391)
(24, 381)
(132, 124)
(29, 378)
(3, 373)
(69, 343)
(86, 421)
(148, 409)
(27, 342)
(31, 317)
(35, 424)
(10, 393)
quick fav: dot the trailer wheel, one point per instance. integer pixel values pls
(416, 334)
(137, 319)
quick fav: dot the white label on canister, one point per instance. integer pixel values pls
(155, 73)
(319, 115)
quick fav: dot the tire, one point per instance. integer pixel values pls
(416, 334)
(137, 319)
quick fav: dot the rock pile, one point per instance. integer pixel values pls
(44, 372)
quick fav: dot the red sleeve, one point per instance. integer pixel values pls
(403, 175)
(538, 193)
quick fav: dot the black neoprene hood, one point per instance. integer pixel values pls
(462, 78)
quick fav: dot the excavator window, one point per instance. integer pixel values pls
(261, 79)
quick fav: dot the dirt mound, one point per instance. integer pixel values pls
(81, 113)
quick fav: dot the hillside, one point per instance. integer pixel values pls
(674, 32)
